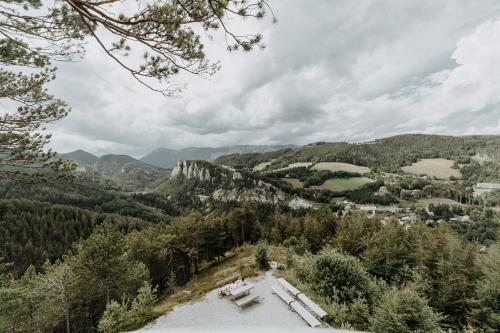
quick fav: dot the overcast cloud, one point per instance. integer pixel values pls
(332, 70)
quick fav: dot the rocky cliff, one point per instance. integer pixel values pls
(206, 180)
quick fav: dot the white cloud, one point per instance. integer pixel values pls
(338, 70)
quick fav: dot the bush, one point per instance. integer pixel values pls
(339, 277)
(487, 313)
(123, 316)
(261, 258)
(404, 311)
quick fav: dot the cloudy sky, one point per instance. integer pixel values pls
(332, 70)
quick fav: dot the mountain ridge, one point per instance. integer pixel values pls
(167, 158)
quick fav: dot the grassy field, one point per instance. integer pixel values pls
(437, 201)
(336, 166)
(294, 182)
(343, 184)
(261, 166)
(437, 167)
(296, 165)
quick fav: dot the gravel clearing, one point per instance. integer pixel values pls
(213, 312)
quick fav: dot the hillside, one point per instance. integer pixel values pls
(125, 171)
(167, 158)
(81, 157)
(202, 181)
(387, 154)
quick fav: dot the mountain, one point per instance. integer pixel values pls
(202, 181)
(167, 158)
(81, 157)
(386, 154)
(126, 171)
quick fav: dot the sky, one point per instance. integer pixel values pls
(332, 70)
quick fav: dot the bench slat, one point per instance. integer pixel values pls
(311, 305)
(282, 294)
(245, 300)
(306, 315)
(294, 291)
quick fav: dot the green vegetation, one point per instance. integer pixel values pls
(405, 311)
(388, 154)
(261, 258)
(338, 277)
(343, 184)
(35, 33)
(395, 279)
(84, 256)
(296, 183)
(127, 315)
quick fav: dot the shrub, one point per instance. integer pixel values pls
(404, 310)
(339, 277)
(123, 316)
(261, 258)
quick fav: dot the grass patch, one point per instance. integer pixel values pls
(436, 167)
(261, 166)
(343, 184)
(337, 166)
(438, 201)
(295, 165)
(241, 260)
(296, 183)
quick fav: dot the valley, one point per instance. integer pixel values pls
(168, 231)
(249, 166)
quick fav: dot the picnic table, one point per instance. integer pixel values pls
(244, 289)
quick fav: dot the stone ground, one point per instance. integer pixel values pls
(215, 314)
(213, 311)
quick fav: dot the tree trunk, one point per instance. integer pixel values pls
(67, 321)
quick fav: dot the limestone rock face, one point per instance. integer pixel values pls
(192, 170)
(297, 203)
(222, 184)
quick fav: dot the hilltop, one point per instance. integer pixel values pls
(167, 158)
(127, 172)
(201, 181)
(386, 154)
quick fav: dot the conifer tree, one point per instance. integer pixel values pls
(35, 33)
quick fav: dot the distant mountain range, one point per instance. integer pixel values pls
(126, 171)
(148, 171)
(167, 158)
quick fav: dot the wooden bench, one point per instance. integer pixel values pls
(306, 315)
(246, 300)
(313, 306)
(306, 300)
(282, 294)
(294, 291)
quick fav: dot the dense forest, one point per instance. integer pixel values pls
(77, 268)
(80, 256)
(97, 244)
(388, 154)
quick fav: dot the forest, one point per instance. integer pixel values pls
(108, 244)
(81, 269)
(387, 155)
